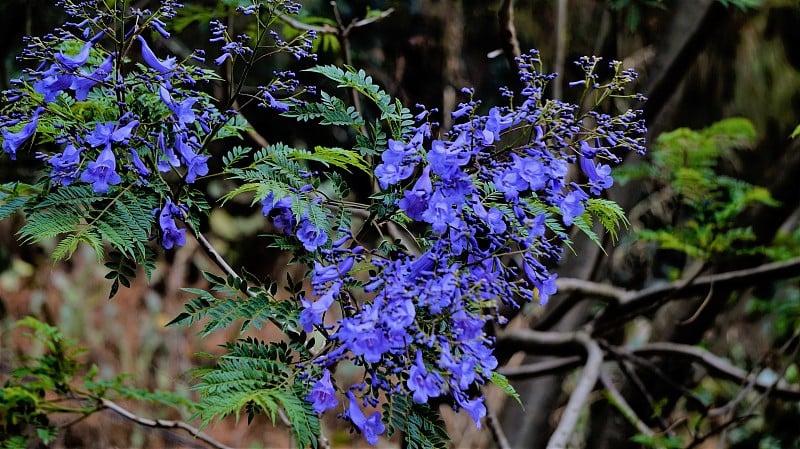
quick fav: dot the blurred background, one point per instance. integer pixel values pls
(700, 62)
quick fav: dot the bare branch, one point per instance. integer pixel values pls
(718, 367)
(622, 405)
(162, 423)
(497, 431)
(580, 395)
(630, 303)
(543, 368)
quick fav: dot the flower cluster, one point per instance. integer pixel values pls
(145, 123)
(489, 192)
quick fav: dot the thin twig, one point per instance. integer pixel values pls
(162, 424)
(622, 405)
(580, 395)
(498, 435)
(543, 368)
(629, 303)
(718, 367)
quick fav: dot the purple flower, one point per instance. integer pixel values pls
(105, 133)
(270, 101)
(424, 384)
(511, 183)
(415, 200)
(323, 395)
(82, 84)
(76, 61)
(141, 169)
(171, 161)
(196, 164)
(171, 235)
(447, 158)
(530, 170)
(371, 427)
(311, 236)
(52, 85)
(65, 165)
(599, 175)
(474, 407)
(13, 140)
(440, 213)
(152, 60)
(102, 172)
(282, 215)
(182, 110)
(390, 174)
(572, 204)
(311, 315)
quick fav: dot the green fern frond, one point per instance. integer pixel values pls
(338, 157)
(421, 425)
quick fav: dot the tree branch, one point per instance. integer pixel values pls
(622, 405)
(629, 303)
(497, 431)
(161, 423)
(580, 395)
(543, 368)
(718, 367)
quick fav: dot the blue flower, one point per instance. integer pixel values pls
(310, 236)
(182, 110)
(172, 159)
(270, 101)
(171, 235)
(391, 174)
(105, 133)
(530, 170)
(572, 204)
(440, 213)
(474, 407)
(415, 201)
(74, 62)
(447, 158)
(82, 84)
(13, 140)
(141, 169)
(102, 172)
(282, 215)
(510, 183)
(599, 175)
(371, 427)
(424, 384)
(312, 312)
(152, 60)
(196, 164)
(323, 396)
(65, 165)
(52, 84)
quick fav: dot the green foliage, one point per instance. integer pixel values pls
(685, 166)
(257, 377)
(79, 215)
(421, 425)
(658, 441)
(253, 309)
(501, 382)
(50, 383)
(398, 118)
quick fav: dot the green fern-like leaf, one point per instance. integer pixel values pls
(420, 424)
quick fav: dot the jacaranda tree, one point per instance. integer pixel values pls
(124, 132)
